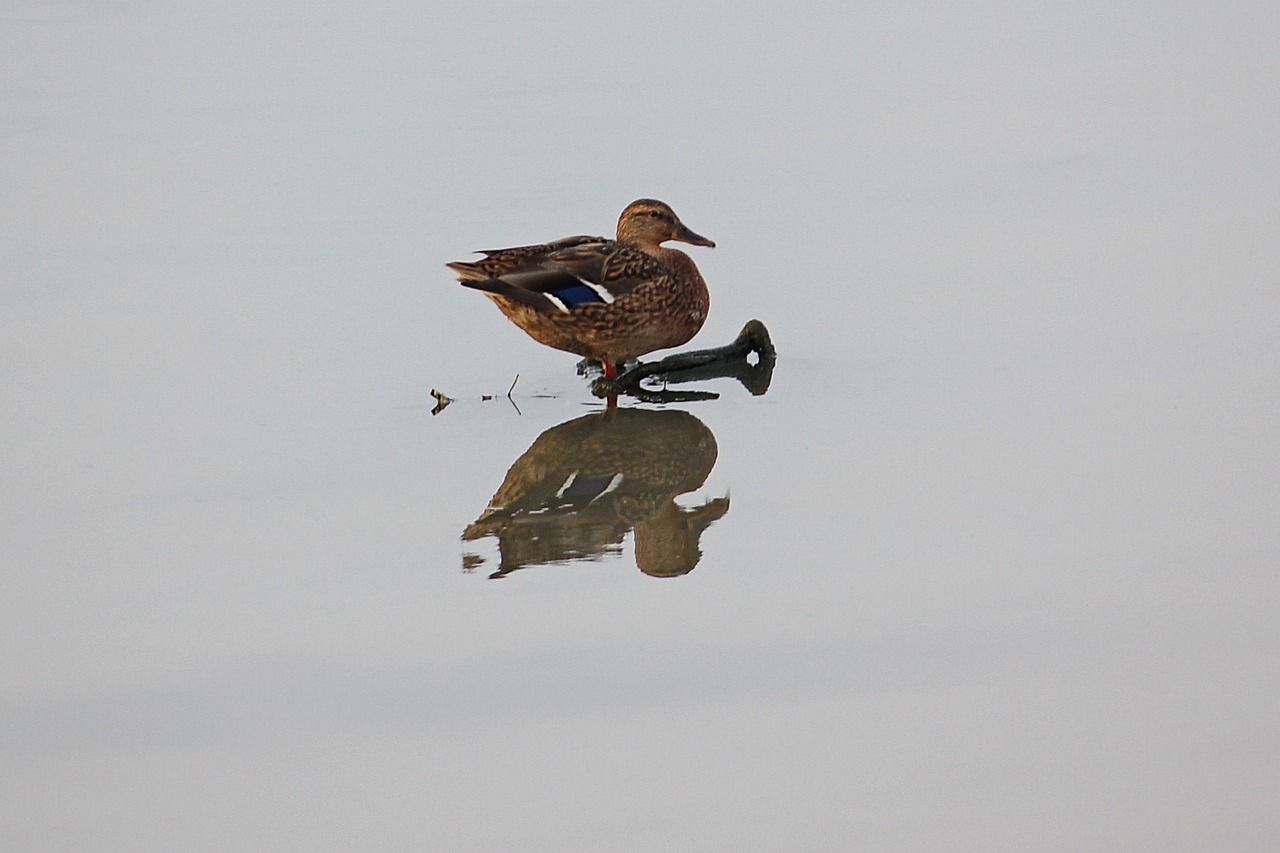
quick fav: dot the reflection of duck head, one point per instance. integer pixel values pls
(667, 542)
(583, 484)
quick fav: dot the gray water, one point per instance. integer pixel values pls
(991, 566)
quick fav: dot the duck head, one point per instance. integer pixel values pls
(649, 222)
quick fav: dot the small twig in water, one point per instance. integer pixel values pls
(441, 401)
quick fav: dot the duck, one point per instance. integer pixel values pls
(608, 300)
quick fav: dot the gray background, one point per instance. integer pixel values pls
(999, 570)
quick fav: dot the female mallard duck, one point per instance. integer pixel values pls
(611, 300)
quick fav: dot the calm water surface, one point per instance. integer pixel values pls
(991, 566)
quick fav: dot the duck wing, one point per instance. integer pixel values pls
(571, 276)
(499, 261)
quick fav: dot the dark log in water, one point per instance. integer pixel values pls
(734, 360)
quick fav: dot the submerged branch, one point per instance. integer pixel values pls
(732, 360)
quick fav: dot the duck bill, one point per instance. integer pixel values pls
(684, 235)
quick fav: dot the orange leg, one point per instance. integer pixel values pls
(610, 372)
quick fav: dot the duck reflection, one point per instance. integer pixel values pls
(582, 485)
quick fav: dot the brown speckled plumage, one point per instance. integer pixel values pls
(611, 300)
